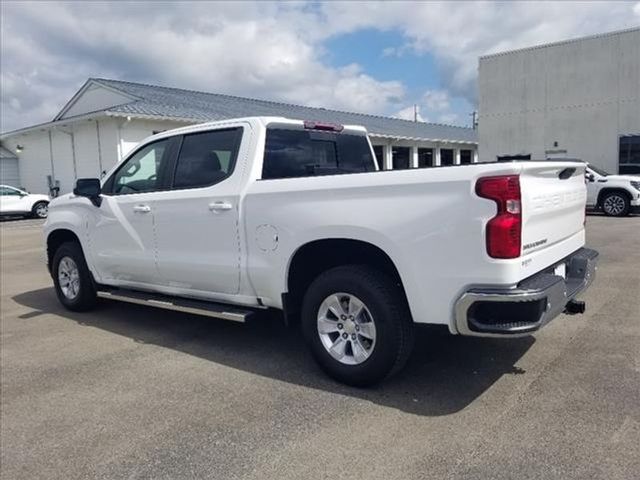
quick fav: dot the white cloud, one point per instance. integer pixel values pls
(269, 50)
(390, 52)
(449, 118)
(457, 33)
(436, 100)
(434, 106)
(409, 114)
(262, 50)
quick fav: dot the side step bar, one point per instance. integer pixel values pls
(186, 305)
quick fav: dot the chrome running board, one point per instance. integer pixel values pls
(186, 305)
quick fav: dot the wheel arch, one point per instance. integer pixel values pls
(57, 237)
(317, 256)
(605, 191)
(39, 200)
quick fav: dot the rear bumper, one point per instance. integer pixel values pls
(494, 312)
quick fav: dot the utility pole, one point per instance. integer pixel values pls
(474, 119)
(415, 113)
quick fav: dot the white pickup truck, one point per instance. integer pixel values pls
(228, 218)
(615, 195)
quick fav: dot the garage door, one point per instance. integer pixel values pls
(9, 173)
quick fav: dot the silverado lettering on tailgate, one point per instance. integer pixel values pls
(557, 199)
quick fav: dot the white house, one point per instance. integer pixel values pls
(105, 119)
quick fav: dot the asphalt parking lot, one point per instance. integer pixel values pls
(131, 392)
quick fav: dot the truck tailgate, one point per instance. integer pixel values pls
(553, 203)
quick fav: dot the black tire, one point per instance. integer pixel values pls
(385, 301)
(37, 209)
(86, 297)
(616, 204)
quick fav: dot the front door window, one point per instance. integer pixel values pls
(142, 171)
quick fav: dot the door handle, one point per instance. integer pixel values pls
(219, 206)
(142, 209)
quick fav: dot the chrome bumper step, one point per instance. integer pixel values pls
(495, 312)
(186, 305)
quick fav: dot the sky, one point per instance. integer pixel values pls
(370, 57)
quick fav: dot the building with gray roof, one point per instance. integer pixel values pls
(106, 118)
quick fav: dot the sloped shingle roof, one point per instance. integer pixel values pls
(201, 106)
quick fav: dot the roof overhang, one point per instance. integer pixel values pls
(163, 118)
(48, 125)
(421, 139)
(93, 116)
(108, 114)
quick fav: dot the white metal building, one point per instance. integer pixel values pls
(577, 99)
(9, 171)
(105, 119)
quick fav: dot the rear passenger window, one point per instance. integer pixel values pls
(207, 158)
(302, 153)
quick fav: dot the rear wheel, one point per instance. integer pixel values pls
(357, 324)
(616, 204)
(72, 279)
(40, 210)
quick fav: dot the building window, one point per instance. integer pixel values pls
(446, 157)
(425, 157)
(465, 157)
(629, 156)
(401, 158)
(378, 150)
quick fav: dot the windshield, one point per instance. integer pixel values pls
(599, 171)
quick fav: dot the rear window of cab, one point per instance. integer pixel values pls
(291, 153)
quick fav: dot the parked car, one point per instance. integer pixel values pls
(14, 201)
(615, 195)
(229, 218)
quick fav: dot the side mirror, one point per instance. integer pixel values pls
(90, 188)
(591, 177)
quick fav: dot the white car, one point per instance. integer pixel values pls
(229, 218)
(615, 195)
(14, 201)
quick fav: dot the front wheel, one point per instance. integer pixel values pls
(615, 204)
(72, 278)
(40, 210)
(357, 324)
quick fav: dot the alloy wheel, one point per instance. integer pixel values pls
(42, 210)
(614, 205)
(69, 277)
(346, 328)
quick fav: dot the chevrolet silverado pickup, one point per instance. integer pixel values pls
(229, 218)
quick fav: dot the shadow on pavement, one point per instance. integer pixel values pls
(598, 213)
(444, 374)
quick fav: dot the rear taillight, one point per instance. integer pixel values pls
(504, 231)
